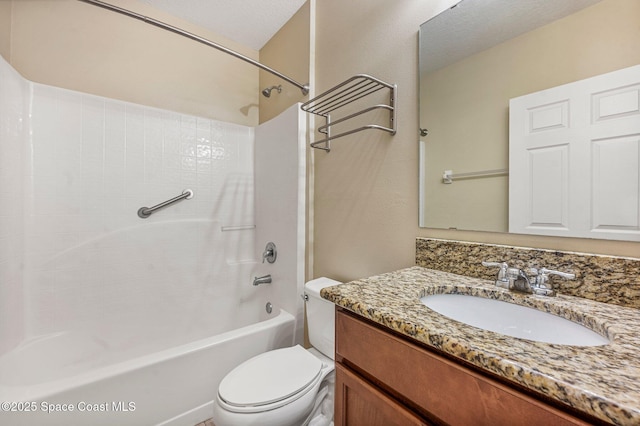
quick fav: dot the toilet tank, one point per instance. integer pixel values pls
(321, 316)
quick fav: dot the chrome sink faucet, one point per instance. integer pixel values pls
(516, 279)
(519, 280)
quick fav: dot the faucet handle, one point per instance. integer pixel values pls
(498, 264)
(270, 253)
(565, 275)
(501, 278)
(541, 282)
(543, 273)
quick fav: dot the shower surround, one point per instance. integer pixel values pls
(85, 283)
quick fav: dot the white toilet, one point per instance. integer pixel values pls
(286, 387)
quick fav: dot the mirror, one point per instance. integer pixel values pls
(479, 54)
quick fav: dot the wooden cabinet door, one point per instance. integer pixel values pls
(446, 391)
(360, 404)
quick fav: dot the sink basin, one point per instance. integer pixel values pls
(513, 320)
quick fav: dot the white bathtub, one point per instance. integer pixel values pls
(173, 386)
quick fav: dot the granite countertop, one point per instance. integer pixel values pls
(603, 381)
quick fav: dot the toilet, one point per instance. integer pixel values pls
(290, 386)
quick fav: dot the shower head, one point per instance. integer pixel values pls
(267, 92)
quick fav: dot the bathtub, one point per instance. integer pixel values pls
(170, 387)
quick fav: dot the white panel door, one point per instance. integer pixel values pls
(574, 159)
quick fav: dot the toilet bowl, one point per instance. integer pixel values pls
(285, 387)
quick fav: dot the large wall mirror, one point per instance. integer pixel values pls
(477, 56)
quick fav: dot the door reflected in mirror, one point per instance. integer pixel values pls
(477, 56)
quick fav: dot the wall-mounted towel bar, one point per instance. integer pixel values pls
(357, 87)
(237, 228)
(145, 212)
(448, 176)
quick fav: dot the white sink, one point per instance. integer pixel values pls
(513, 320)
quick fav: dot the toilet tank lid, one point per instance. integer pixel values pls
(313, 287)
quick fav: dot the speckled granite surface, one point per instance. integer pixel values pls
(603, 381)
(603, 278)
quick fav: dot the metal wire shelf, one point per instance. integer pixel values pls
(345, 93)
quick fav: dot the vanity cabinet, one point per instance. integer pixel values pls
(386, 379)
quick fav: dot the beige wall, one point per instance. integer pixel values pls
(82, 47)
(288, 52)
(465, 105)
(366, 188)
(5, 29)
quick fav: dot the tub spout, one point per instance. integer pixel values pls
(266, 279)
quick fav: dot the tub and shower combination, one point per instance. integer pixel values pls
(66, 379)
(108, 318)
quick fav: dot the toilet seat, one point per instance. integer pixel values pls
(270, 380)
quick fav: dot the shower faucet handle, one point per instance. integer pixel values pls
(270, 253)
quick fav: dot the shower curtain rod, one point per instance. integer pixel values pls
(303, 87)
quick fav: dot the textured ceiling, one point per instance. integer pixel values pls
(475, 25)
(248, 22)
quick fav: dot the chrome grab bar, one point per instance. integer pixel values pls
(145, 212)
